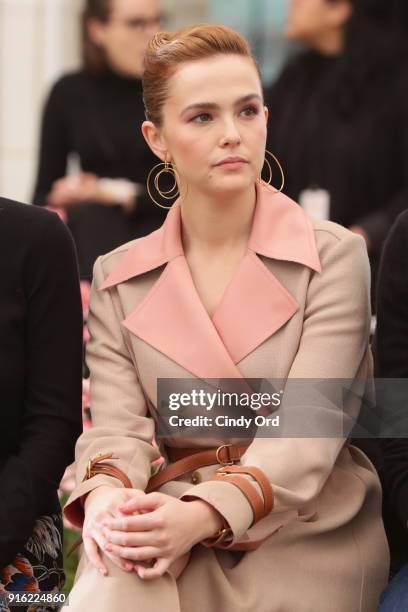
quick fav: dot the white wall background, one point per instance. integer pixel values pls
(38, 40)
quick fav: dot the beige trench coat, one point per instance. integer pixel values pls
(296, 307)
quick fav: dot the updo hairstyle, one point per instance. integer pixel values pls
(166, 51)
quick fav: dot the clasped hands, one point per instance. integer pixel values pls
(143, 532)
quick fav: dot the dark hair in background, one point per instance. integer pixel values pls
(93, 57)
(375, 47)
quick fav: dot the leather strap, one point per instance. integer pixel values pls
(260, 478)
(189, 461)
(226, 453)
(94, 468)
(256, 502)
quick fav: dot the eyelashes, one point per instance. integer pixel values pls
(253, 110)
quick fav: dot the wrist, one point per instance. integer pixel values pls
(208, 518)
(88, 499)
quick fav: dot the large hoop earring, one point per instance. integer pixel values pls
(167, 195)
(268, 182)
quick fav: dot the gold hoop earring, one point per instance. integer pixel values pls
(167, 195)
(268, 182)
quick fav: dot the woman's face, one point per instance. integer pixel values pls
(125, 36)
(214, 111)
(309, 20)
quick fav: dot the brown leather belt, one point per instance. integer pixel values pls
(184, 460)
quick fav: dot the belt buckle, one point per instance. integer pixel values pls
(89, 469)
(217, 455)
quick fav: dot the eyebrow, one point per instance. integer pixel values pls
(213, 106)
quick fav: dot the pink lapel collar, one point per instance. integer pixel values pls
(149, 252)
(255, 304)
(281, 230)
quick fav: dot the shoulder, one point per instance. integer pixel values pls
(69, 86)
(296, 66)
(331, 234)
(71, 80)
(341, 251)
(18, 213)
(33, 227)
(400, 226)
(395, 250)
(106, 263)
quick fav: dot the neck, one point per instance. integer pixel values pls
(210, 223)
(329, 43)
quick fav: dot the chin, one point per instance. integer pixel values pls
(238, 185)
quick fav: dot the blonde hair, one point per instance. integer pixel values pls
(167, 50)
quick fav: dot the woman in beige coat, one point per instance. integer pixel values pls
(237, 284)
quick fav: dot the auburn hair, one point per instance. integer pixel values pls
(166, 51)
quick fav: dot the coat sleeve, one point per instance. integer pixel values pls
(333, 345)
(52, 418)
(120, 423)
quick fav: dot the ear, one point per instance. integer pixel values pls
(96, 31)
(155, 140)
(266, 113)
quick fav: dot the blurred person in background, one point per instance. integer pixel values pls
(92, 117)
(40, 389)
(338, 114)
(391, 361)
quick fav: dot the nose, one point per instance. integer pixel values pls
(230, 133)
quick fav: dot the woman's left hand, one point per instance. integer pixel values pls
(164, 529)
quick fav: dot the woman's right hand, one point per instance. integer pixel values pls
(101, 503)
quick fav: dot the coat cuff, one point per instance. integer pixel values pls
(73, 509)
(229, 501)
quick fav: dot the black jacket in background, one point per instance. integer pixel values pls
(355, 146)
(391, 361)
(98, 118)
(40, 367)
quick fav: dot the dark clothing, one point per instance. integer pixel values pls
(98, 118)
(391, 361)
(354, 147)
(391, 337)
(38, 567)
(40, 368)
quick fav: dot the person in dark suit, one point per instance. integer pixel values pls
(40, 390)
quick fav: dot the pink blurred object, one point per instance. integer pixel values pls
(86, 334)
(158, 461)
(85, 291)
(61, 212)
(86, 404)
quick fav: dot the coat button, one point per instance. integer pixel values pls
(195, 477)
